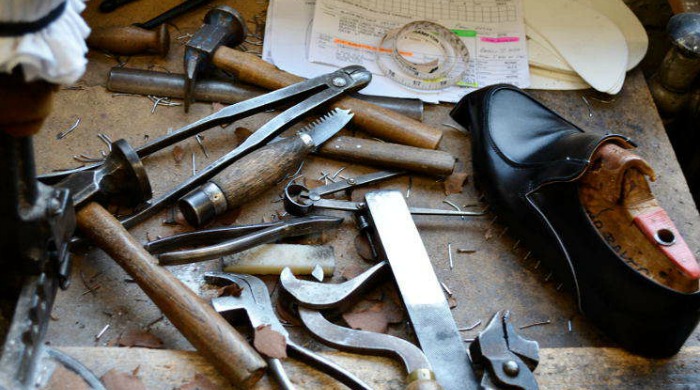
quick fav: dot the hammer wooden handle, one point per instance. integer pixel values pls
(402, 157)
(380, 122)
(130, 40)
(213, 337)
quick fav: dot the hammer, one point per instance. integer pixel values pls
(219, 29)
(123, 174)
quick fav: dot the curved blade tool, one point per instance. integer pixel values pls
(364, 342)
(316, 295)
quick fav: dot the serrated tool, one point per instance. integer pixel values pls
(258, 171)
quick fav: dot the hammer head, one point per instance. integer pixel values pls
(223, 25)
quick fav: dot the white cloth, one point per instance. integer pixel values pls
(55, 53)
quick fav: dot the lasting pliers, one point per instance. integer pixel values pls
(222, 241)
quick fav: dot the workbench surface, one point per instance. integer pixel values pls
(499, 274)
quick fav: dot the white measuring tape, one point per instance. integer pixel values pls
(423, 55)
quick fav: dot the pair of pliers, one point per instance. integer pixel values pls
(254, 301)
(313, 94)
(223, 241)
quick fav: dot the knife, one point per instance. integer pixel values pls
(258, 171)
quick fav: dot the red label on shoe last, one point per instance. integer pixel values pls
(659, 228)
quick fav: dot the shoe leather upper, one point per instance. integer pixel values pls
(526, 159)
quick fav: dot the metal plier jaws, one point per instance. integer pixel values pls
(232, 239)
(310, 95)
(254, 301)
(507, 359)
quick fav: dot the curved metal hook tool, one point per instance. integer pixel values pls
(255, 301)
(316, 295)
(370, 343)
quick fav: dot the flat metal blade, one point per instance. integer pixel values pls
(322, 129)
(420, 290)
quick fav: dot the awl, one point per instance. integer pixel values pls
(258, 171)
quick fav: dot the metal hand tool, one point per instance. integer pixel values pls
(254, 300)
(299, 200)
(506, 358)
(427, 308)
(150, 82)
(258, 171)
(317, 91)
(420, 373)
(224, 241)
(377, 121)
(121, 175)
(319, 296)
(213, 337)
(223, 25)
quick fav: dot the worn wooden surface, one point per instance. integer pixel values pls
(499, 274)
(560, 368)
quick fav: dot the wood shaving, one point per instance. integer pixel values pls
(117, 380)
(139, 338)
(373, 319)
(231, 290)
(178, 154)
(363, 248)
(199, 382)
(351, 271)
(242, 134)
(455, 183)
(62, 378)
(285, 315)
(269, 342)
(452, 302)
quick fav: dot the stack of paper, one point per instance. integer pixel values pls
(298, 34)
(578, 44)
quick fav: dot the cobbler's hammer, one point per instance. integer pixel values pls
(223, 25)
(208, 45)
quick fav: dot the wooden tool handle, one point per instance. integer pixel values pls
(378, 121)
(213, 337)
(260, 170)
(364, 151)
(130, 40)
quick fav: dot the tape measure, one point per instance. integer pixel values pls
(423, 55)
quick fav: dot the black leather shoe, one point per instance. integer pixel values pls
(527, 160)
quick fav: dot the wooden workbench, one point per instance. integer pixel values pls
(498, 275)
